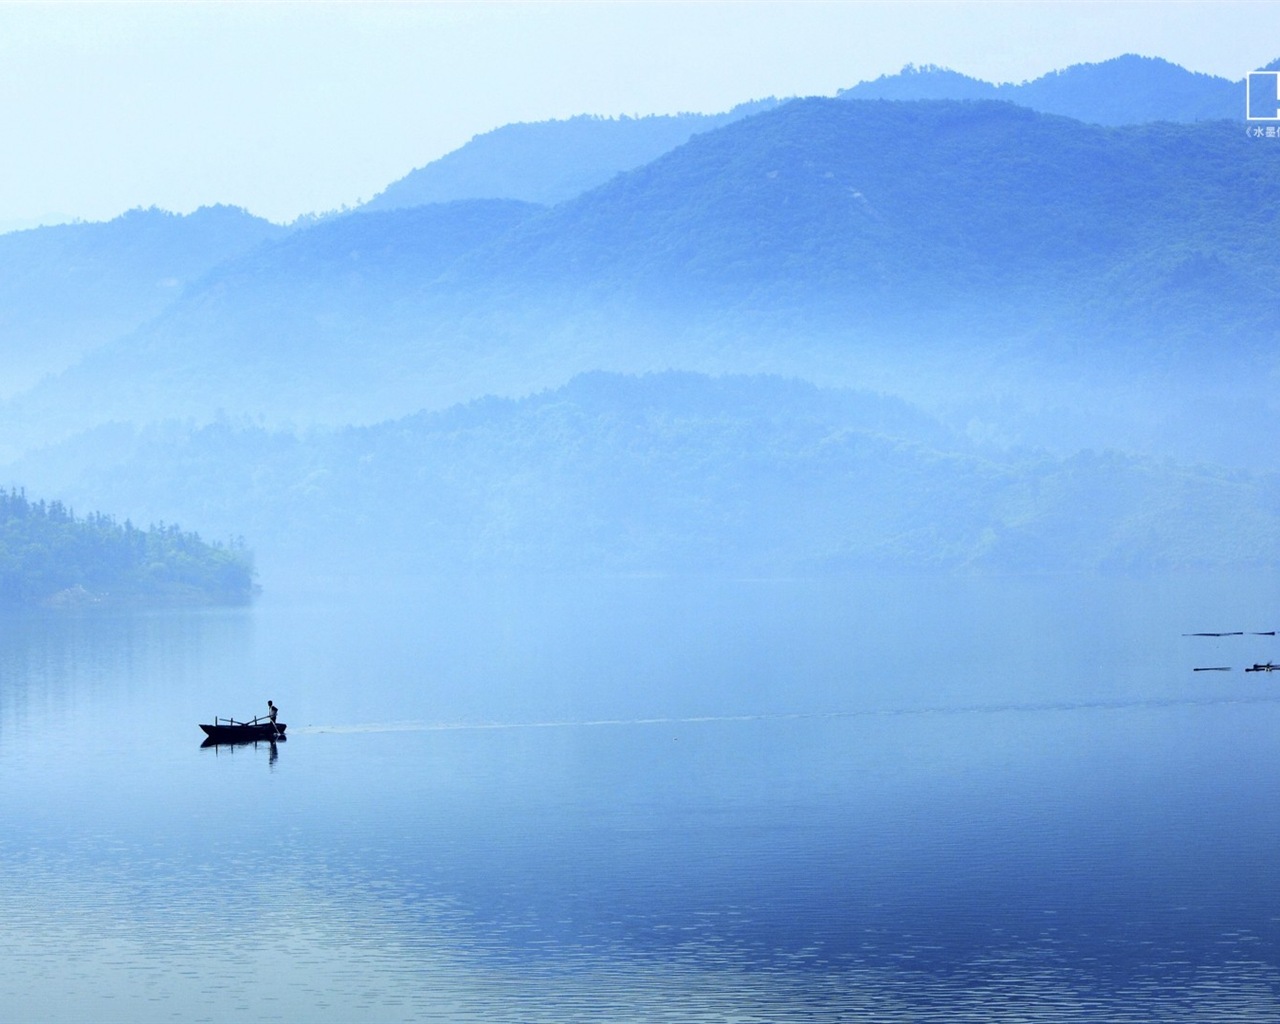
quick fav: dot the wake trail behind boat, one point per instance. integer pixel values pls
(597, 723)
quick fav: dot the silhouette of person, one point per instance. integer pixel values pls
(271, 713)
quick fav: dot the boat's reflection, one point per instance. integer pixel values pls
(230, 746)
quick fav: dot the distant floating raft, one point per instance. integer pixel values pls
(1213, 668)
(1238, 632)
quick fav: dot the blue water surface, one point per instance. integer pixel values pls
(648, 800)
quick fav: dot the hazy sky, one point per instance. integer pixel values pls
(288, 108)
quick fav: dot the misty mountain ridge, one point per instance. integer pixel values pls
(547, 162)
(1000, 287)
(816, 239)
(327, 302)
(837, 199)
(69, 288)
(1124, 90)
(673, 473)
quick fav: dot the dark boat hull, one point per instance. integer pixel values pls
(243, 733)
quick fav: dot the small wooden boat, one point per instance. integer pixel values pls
(228, 730)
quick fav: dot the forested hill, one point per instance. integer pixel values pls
(677, 473)
(68, 288)
(1002, 234)
(550, 161)
(879, 203)
(50, 556)
(1124, 90)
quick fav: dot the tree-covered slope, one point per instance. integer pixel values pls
(552, 161)
(65, 290)
(403, 248)
(984, 223)
(548, 162)
(314, 326)
(908, 200)
(50, 556)
(678, 473)
(325, 290)
(979, 235)
(1124, 90)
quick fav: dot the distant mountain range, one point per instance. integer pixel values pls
(550, 161)
(1026, 284)
(1125, 90)
(867, 204)
(676, 473)
(68, 289)
(816, 238)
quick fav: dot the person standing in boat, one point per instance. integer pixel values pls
(271, 713)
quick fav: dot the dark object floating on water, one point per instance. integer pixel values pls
(1262, 632)
(228, 730)
(1213, 668)
(1268, 667)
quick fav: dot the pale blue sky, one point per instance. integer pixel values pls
(288, 108)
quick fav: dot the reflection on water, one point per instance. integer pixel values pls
(572, 815)
(228, 747)
(66, 670)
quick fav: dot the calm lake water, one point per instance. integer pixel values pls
(644, 800)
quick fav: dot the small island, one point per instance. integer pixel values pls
(52, 558)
